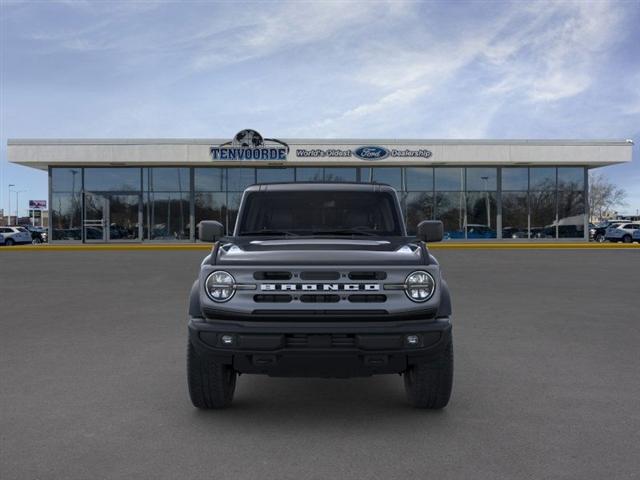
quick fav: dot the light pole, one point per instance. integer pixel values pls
(18, 192)
(9, 211)
(486, 199)
(74, 203)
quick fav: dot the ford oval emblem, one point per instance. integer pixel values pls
(371, 153)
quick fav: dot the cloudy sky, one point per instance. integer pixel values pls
(413, 69)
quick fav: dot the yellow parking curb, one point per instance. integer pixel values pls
(435, 246)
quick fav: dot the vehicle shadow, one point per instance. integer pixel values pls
(318, 403)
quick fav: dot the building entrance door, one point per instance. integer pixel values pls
(112, 217)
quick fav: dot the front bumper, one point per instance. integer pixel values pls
(319, 349)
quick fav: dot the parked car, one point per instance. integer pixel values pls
(514, 232)
(15, 235)
(543, 232)
(38, 234)
(598, 232)
(636, 236)
(1, 239)
(622, 233)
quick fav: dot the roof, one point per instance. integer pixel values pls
(44, 153)
(320, 187)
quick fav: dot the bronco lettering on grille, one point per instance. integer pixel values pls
(324, 287)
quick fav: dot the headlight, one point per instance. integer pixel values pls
(220, 286)
(419, 286)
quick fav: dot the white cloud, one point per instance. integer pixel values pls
(553, 56)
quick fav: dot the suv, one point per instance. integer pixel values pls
(622, 232)
(15, 235)
(320, 280)
(599, 232)
(38, 234)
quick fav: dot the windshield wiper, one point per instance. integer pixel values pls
(269, 232)
(345, 231)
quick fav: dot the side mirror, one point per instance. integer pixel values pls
(210, 231)
(430, 231)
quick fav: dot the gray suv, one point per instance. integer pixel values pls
(320, 280)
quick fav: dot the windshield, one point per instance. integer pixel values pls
(320, 213)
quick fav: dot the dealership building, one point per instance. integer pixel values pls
(132, 190)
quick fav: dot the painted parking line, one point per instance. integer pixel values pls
(435, 246)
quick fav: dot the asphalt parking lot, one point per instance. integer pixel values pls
(547, 380)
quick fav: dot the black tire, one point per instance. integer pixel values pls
(626, 239)
(36, 241)
(428, 384)
(599, 238)
(9, 242)
(211, 384)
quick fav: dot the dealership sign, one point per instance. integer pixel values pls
(250, 145)
(365, 152)
(38, 204)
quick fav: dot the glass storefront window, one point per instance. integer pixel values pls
(112, 179)
(481, 215)
(450, 210)
(210, 206)
(482, 179)
(451, 179)
(516, 179)
(340, 174)
(167, 216)
(274, 175)
(211, 179)
(66, 179)
(543, 214)
(419, 178)
(166, 179)
(240, 178)
(515, 215)
(571, 178)
(389, 176)
(418, 206)
(542, 178)
(540, 202)
(571, 212)
(309, 174)
(66, 217)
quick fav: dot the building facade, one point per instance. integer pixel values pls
(133, 190)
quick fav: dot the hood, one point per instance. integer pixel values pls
(320, 251)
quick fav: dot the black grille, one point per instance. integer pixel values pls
(319, 312)
(272, 275)
(320, 341)
(319, 275)
(272, 298)
(367, 298)
(367, 275)
(307, 298)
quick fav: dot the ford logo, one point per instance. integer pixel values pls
(371, 153)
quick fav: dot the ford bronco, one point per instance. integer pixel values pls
(320, 280)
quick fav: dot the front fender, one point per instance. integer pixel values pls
(194, 301)
(444, 309)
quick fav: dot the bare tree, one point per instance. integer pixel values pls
(604, 196)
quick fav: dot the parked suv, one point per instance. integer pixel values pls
(599, 232)
(320, 280)
(38, 234)
(15, 235)
(622, 233)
